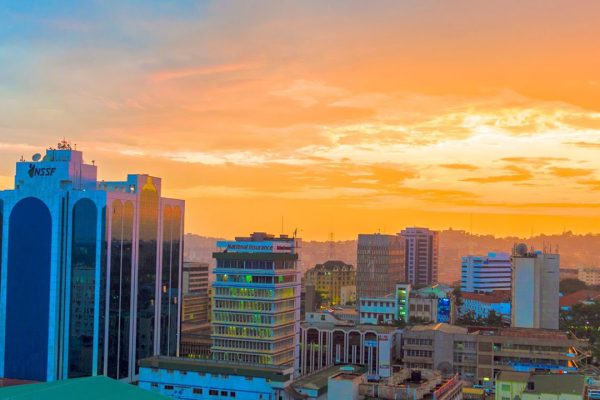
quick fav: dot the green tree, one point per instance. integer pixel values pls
(584, 321)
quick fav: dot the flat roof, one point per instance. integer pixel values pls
(279, 373)
(318, 380)
(91, 388)
(533, 333)
(442, 327)
(358, 327)
(558, 384)
(513, 376)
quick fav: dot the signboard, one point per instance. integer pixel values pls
(256, 247)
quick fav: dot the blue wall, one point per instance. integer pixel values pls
(28, 289)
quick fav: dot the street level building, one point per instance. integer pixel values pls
(90, 270)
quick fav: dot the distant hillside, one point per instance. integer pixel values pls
(575, 250)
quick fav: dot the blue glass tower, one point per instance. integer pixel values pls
(90, 271)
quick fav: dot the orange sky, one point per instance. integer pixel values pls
(341, 117)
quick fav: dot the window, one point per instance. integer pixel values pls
(197, 391)
(223, 393)
(231, 394)
(154, 385)
(168, 387)
(213, 392)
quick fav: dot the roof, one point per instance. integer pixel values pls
(558, 384)
(513, 376)
(91, 388)
(532, 333)
(438, 290)
(579, 297)
(273, 372)
(500, 296)
(446, 328)
(318, 380)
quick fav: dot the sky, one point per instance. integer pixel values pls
(332, 118)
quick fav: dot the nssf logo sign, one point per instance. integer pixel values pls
(33, 171)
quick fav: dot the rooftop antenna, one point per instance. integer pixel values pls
(331, 246)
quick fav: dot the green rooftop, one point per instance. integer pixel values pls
(92, 388)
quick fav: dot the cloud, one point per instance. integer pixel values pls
(467, 167)
(570, 172)
(518, 175)
(174, 74)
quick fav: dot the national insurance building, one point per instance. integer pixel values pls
(90, 271)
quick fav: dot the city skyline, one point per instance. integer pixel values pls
(341, 119)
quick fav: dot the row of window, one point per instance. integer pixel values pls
(253, 319)
(369, 303)
(253, 345)
(250, 279)
(256, 264)
(420, 342)
(418, 353)
(211, 392)
(252, 332)
(269, 294)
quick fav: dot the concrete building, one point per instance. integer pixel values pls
(209, 379)
(409, 384)
(434, 303)
(194, 285)
(329, 278)
(348, 295)
(591, 276)
(537, 386)
(379, 264)
(535, 294)
(479, 354)
(484, 274)
(527, 350)
(421, 255)
(90, 270)
(256, 310)
(447, 348)
(480, 305)
(327, 340)
(388, 309)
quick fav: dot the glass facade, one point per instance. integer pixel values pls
(83, 280)
(147, 263)
(171, 264)
(120, 289)
(92, 270)
(28, 290)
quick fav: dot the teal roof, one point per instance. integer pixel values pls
(92, 388)
(437, 290)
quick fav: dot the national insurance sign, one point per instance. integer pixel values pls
(256, 247)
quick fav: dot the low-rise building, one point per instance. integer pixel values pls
(584, 296)
(409, 384)
(433, 304)
(326, 340)
(535, 386)
(207, 379)
(479, 354)
(387, 309)
(336, 382)
(348, 295)
(591, 276)
(480, 305)
(447, 348)
(329, 278)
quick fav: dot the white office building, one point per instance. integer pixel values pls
(485, 274)
(535, 294)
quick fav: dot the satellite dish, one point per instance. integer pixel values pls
(36, 157)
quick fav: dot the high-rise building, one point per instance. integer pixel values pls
(329, 278)
(379, 264)
(484, 274)
(90, 270)
(422, 246)
(256, 309)
(194, 286)
(535, 289)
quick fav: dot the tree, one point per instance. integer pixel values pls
(584, 321)
(493, 319)
(571, 285)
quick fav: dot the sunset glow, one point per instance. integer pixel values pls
(340, 118)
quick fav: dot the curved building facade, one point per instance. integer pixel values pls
(90, 271)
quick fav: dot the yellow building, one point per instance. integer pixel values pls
(532, 386)
(329, 278)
